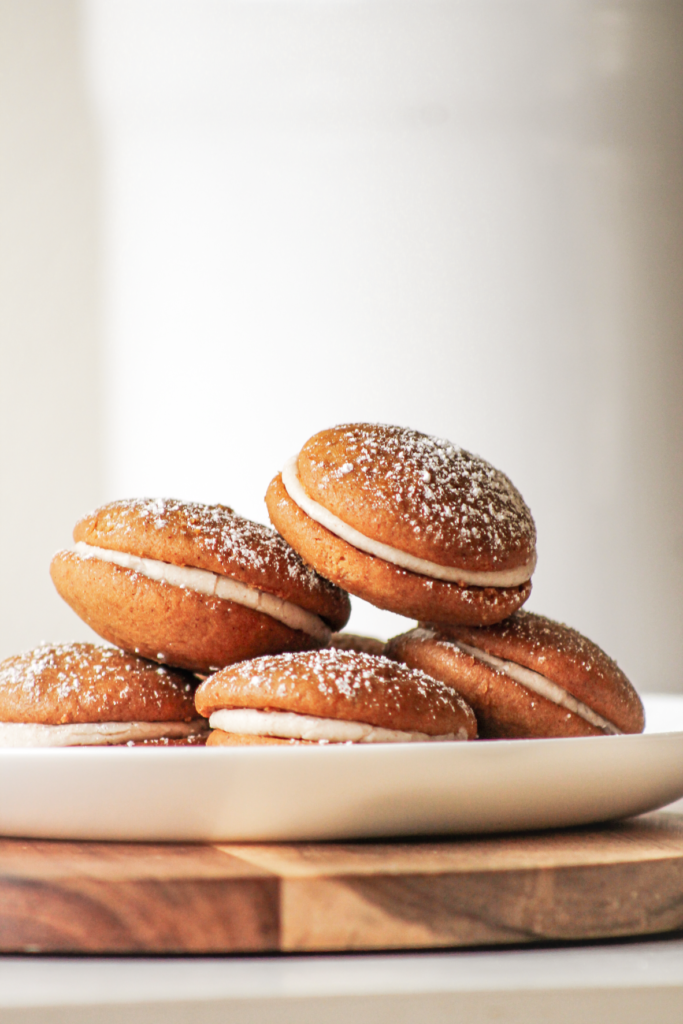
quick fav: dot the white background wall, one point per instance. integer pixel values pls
(462, 217)
(51, 467)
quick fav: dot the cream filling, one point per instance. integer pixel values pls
(92, 734)
(503, 578)
(291, 726)
(213, 585)
(538, 683)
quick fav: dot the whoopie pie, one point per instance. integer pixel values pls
(80, 694)
(195, 586)
(330, 696)
(527, 677)
(409, 522)
(357, 642)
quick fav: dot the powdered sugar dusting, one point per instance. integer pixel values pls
(361, 682)
(563, 656)
(542, 636)
(441, 493)
(88, 676)
(223, 535)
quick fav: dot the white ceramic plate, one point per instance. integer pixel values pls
(341, 792)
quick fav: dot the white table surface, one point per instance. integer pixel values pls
(633, 983)
(626, 982)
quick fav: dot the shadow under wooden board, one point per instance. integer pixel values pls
(616, 880)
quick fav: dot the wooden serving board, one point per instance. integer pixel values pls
(616, 880)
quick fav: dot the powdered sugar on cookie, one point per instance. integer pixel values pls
(338, 684)
(81, 682)
(218, 539)
(451, 507)
(423, 567)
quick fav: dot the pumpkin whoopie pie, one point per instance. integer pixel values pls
(357, 642)
(527, 677)
(409, 522)
(195, 586)
(66, 695)
(330, 696)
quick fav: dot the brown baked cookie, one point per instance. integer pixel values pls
(195, 586)
(527, 677)
(332, 696)
(219, 738)
(356, 642)
(87, 694)
(409, 522)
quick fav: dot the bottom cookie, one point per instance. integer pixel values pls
(219, 738)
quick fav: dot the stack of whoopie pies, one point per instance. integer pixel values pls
(215, 617)
(418, 526)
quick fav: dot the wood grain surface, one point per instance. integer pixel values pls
(616, 880)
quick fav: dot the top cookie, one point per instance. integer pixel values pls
(59, 684)
(214, 538)
(420, 494)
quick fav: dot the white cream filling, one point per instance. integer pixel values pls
(538, 683)
(289, 725)
(92, 734)
(503, 578)
(213, 585)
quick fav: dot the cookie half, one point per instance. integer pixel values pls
(357, 642)
(64, 695)
(408, 522)
(331, 696)
(195, 586)
(527, 677)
